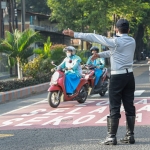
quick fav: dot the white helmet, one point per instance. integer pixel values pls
(70, 48)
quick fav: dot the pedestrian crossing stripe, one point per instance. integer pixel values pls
(136, 93)
(5, 135)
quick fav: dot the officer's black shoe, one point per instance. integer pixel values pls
(129, 137)
(112, 126)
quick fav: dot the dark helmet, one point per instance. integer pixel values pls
(94, 48)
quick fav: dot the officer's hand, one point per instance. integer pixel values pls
(69, 32)
(95, 56)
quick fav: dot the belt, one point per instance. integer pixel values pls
(122, 71)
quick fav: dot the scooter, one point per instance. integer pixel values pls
(57, 90)
(102, 85)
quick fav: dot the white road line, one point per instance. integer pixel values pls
(107, 98)
(22, 107)
(136, 93)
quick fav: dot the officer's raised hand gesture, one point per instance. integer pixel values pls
(95, 56)
(68, 32)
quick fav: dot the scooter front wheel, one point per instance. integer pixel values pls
(102, 93)
(54, 98)
(82, 95)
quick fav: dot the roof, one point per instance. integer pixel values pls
(34, 13)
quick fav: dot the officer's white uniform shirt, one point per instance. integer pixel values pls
(121, 49)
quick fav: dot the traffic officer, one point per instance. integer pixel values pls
(122, 83)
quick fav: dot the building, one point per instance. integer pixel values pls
(41, 23)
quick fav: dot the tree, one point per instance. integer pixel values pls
(101, 16)
(80, 15)
(17, 45)
(138, 13)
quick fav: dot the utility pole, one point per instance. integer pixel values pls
(1, 15)
(23, 15)
(12, 14)
(1, 19)
(15, 12)
(82, 30)
(2, 8)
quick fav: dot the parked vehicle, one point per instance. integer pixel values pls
(57, 90)
(102, 86)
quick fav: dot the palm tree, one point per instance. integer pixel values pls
(17, 45)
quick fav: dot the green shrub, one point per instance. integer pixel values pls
(41, 65)
(46, 65)
(25, 82)
(84, 55)
(57, 54)
(33, 68)
(37, 67)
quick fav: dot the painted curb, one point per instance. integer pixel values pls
(23, 92)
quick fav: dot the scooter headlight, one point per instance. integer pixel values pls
(54, 78)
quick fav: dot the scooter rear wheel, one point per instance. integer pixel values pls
(54, 99)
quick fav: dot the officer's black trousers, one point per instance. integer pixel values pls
(121, 88)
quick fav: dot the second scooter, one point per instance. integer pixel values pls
(102, 86)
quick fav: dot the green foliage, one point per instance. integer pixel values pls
(41, 64)
(47, 46)
(80, 15)
(11, 61)
(101, 16)
(33, 68)
(83, 55)
(17, 44)
(45, 51)
(57, 54)
(37, 67)
(98, 15)
(46, 65)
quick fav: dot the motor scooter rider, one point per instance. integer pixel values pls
(97, 62)
(73, 71)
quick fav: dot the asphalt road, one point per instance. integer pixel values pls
(74, 138)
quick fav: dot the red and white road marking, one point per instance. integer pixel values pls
(69, 114)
